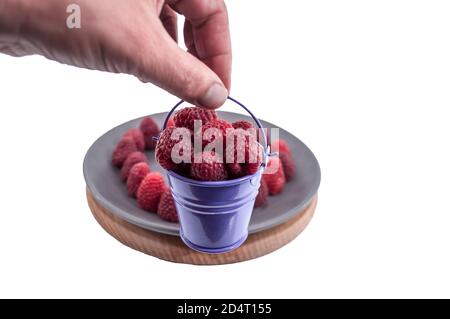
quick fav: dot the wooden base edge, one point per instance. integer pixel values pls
(171, 248)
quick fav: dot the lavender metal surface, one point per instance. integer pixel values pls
(214, 216)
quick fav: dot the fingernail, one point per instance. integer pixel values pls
(215, 96)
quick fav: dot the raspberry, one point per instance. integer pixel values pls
(138, 138)
(150, 129)
(170, 122)
(125, 147)
(247, 154)
(275, 180)
(288, 165)
(210, 169)
(253, 158)
(166, 207)
(165, 144)
(186, 117)
(150, 191)
(133, 158)
(245, 125)
(281, 146)
(231, 155)
(263, 192)
(216, 129)
(235, 169)
(137, 174)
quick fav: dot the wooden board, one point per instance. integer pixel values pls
(171, 248)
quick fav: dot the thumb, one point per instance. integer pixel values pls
(165, 64)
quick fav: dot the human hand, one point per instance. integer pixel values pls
(136, 37)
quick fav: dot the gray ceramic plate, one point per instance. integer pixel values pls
(103, 180)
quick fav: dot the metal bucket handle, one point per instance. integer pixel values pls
(258, 123)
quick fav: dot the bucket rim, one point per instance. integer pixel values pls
(228, 182)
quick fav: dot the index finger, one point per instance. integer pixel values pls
(210, 32)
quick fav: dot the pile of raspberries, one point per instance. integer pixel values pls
(149, 188)
(233, 157)
(213, 165)
(146, 186)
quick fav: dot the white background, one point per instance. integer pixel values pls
(364, 83)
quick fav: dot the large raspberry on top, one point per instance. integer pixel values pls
(186, 117)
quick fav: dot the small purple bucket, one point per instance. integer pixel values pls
(214, 216)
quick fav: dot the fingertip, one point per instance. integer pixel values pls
(214, 97)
